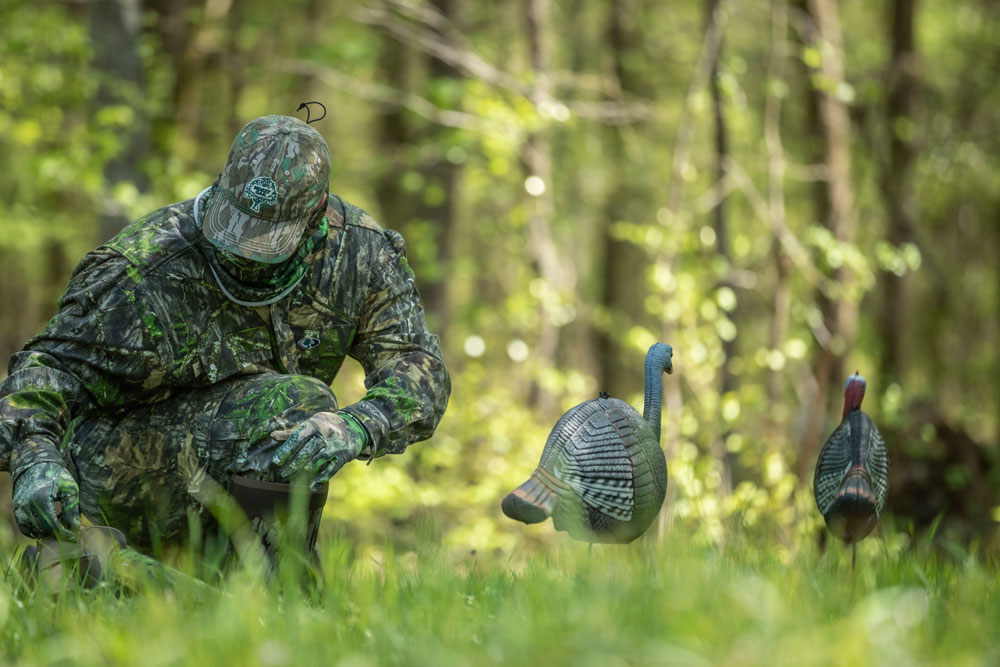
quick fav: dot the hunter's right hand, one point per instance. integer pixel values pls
(35, 492)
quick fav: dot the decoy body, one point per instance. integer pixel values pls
(852, 472)
(602, 476)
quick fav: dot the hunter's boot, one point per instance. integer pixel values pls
(269, 507)
(57, 563)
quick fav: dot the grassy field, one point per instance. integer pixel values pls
(656, 602)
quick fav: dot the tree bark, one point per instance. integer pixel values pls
(721, 141)
(394, 136)
(404, 210)
(836, 209)
(537, 155)
(176, 33)
(897, 179)
(114, 28)
(781, 301)
(623, 289)
(441, 214)
(235, 65)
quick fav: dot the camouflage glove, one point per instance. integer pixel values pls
(319, 447)
(35, 492)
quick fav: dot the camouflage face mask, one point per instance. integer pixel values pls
(250, 272)
(256, 282)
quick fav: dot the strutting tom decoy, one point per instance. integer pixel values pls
(852, 472)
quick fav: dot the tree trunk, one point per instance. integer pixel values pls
(431, 208)
(175, 31)
(537, 152)
(900, 201)
(394, 135)
(235, 66)
(623, 289)
(781, 302)
(721, 141)
(441, 212)
(836, 208)
(114, 29)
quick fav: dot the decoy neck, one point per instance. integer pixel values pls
(658, 362)
(854, 393)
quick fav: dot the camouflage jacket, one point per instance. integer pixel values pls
(143, 317)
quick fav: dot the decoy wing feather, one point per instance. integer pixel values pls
(878, 468)
(833, 463)
(597, 467)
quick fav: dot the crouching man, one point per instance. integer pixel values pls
(197, 347)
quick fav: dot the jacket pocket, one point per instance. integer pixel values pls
(322, 351)
(228, 356)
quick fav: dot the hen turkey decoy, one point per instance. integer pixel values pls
(852, 472)
(602, 476)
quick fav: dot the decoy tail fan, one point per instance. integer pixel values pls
(532, 502)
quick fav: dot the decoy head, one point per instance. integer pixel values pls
(662, 355)
(854, 393)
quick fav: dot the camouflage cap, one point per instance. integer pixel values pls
(274, 182)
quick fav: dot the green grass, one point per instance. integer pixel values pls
(656, 602)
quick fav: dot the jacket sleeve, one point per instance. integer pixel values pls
(407, 382)
(95, 352)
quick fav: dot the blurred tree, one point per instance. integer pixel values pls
(727, 382)
(776, 167)
(114, 30)
(553, 270)
(623, 288)
(835, 208)
(416, 187)
(897, 182)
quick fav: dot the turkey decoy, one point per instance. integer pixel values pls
(602, 476)
(852, 472)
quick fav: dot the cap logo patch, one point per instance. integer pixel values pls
(261, 192)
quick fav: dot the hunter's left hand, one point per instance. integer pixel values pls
(319, 447)
(36, 491)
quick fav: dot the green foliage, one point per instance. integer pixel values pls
(50, 150)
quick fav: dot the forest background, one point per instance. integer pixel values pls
(786, 192)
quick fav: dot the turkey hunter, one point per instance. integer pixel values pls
(199, 344)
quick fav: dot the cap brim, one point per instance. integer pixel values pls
(254, 238)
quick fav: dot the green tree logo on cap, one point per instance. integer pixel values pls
(262, 192)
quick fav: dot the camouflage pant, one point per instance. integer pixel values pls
(145, 471)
